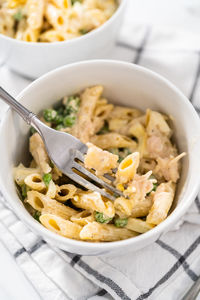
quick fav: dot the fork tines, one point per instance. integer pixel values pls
(97, 184)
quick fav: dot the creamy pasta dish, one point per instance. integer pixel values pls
(134, 147)
(52, 20)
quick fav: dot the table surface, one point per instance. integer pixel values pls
(179, 14)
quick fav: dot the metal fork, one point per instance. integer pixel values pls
(64, 150)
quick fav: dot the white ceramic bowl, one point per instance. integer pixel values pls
(125, 84)
(34, 59)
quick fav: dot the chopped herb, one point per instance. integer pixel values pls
(58, 119)
(37, 215)
(47, 178)
(101, 218)
(155, 185)
(24, 189)
(120, 222)
(69, 121)
(58, 127)
(18, 16)
(83, 31)
(32, 130)
(49, 115)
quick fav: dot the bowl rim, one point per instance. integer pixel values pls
(107, 246)
(74, 40)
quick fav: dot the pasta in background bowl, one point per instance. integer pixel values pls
(38, 36)
(159, 95)
(53, 21)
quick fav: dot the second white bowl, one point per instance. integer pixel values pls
(34, 59)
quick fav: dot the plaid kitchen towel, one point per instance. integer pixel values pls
(164, 270)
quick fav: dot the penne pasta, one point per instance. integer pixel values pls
(103, 233)
(93, 201)
(35, 182)
(138, 225)
(35, 13)
(44, 204)
(83, 218)
(162, 202)
(61, 226)
(65, 192)
(130, 150)
(127, 168)
(39, 153)
(113, 140)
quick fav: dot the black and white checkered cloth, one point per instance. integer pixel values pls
(164, 270)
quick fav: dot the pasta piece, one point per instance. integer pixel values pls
(55, 17)
(137, 130)
(84, 128)
(30, 35)
(45, 204)
(101, 113)
(93, 201)
(113, 140)
(105, 232)
(162, 202)
(83, 218)
(39, 153)
(102, 161)
(21, 172)
(63, 4)
(142, 208)
(138, 225)
(156, 124)
(60, 226)
(65, 192)
(126, 113)
(123, 206)
(107, 6)
(93, 18)
(35, 12)
(35, 182)
(117, 125)
(127, 168)
(52, 189)
(15, 3)
(6, 23)
(56, 36)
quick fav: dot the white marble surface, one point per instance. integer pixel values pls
(179, 14)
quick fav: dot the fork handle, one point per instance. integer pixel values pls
(19, 108)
